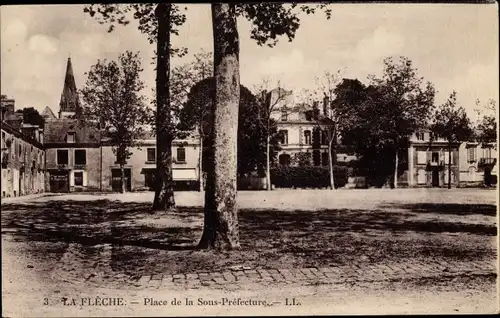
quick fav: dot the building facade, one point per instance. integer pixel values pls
(477, 161)
(297, 125)
(429, 160)
(140, 167)
(23, 155)
(80, 159)
(73, 155)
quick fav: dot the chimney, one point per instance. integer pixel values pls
(264, 96)
(315, 110)
(326, 107)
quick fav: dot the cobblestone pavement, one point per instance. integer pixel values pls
(236, 278)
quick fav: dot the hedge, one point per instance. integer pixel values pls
(308, 177)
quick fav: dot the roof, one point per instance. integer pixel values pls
(70, 101)
(48, 113)
(12, 130)
(15, 120)
(57, 129)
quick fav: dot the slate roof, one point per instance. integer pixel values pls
(56, 131)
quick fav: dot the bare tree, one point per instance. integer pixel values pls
(334, 116)
(270, 103)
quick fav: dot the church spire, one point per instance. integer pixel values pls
(70, 102)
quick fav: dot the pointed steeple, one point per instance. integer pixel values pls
(70, 102)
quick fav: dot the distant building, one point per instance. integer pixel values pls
(72, 145)
(73, 155)
(296, 124)
(477, 161)
(23, 156)
(79, 158)
(140, 168)
(428, 160)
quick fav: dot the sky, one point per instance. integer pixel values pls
(455, 46)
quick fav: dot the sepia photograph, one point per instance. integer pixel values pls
(249, 159)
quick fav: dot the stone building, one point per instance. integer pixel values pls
(140, 167)
(296, 124)
(23, 156)
(477, 161)
(73, 155)
(428, 160)
(79, 158)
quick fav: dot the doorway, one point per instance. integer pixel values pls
(487, 177)
(59, 181)
(435, 178)
(116, 179)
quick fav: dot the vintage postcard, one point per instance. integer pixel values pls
(209, 159)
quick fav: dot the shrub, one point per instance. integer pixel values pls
(308, 177)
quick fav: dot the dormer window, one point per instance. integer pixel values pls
(70, 137)
(284, 115)
(420, 136)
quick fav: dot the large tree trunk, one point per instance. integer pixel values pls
(268, 164)
(330, 164)
(123, 189)
(221, 216)
(449, 166)
(396, 170)
(164, 190)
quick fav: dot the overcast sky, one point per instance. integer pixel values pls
(453, 46)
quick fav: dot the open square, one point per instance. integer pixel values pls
(408, 240)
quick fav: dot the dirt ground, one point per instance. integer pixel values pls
(50, 245)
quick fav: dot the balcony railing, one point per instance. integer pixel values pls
(80, 166)
(435, 163)
(487, 161)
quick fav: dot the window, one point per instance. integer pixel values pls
(324, 137)
(471, 154)
(421, 157)
(284, 115)
(420, 136)
(487, 152)
(181, 154)
(284, 137)
(447, 157)
(151, 156)
(20, 150)
(435, 157)
(284, 159)
(149, 179)
(78, 178)
(80, 157)
(446, 177)
(324, 158)
(123, 156)
(421, 176)
(3, 140)
(62, 157)
(307, 137)
(70, 137)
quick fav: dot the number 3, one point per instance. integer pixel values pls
(45, 301)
